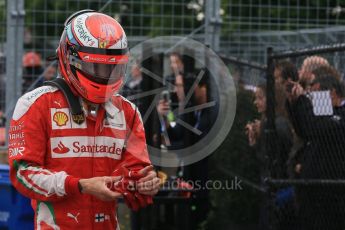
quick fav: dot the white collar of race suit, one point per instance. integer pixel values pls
(110, 108)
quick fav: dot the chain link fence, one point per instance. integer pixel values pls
(274, 194)
(238, 29)
(249, 27)
(236, 160)
(305, 129)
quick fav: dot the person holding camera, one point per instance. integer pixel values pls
(186, 129)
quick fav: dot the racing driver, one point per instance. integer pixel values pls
(75, 145)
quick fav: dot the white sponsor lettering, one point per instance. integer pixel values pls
(16, 127)
(17, 143)
(24, 103)
(84, 146)
(80, 29)
(16, 136)
(82, 32)
(92, 58)
(78, 147)
(38, 92)
(15, 151)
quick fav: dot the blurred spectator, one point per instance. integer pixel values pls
(28, 39)
(50, 72)
(323, 154)
(255, 131)
(176, 64)
(287, 78)
(320, 154)
(180, 136)
(32, 65)
(171, 100)
(283, 143)
(327, 71)
(284, 72)
(309, 65)
(2, 119)
(32, 60)
(136, 77)
(172, 137)
(299, 103)
(133, 86)
(199, 120)
(34, 42)
(328, 78)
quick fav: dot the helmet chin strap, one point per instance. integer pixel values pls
(93, 112)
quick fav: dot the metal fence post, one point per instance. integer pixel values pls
(270, 133)
(270, 105)
(213, 22)
(14, 54)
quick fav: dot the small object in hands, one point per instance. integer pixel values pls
(166, 96)
(127, 187)
(170, 116)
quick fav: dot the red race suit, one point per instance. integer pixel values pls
(49, 153)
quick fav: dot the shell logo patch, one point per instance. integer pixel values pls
(60, 118)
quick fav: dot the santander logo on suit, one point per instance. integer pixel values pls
(84, 146)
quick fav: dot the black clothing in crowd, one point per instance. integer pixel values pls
(322, 156)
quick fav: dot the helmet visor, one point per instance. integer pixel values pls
(105, 74)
